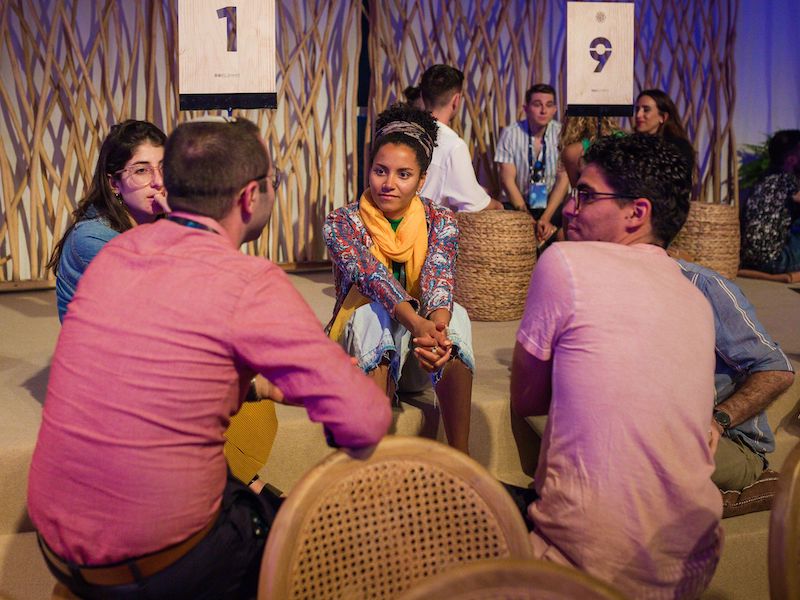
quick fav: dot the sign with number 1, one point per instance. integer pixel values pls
(226, 54)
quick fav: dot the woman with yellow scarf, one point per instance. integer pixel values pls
(394, 259)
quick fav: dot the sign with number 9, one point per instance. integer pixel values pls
(600, 56)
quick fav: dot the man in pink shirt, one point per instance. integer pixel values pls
(128, 486)
(617, 347)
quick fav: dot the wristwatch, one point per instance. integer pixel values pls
(722, 418)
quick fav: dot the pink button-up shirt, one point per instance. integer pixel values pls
(168, 325)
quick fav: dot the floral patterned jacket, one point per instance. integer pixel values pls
(768, 218)
(349, 242)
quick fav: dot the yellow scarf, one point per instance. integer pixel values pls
(409, 245)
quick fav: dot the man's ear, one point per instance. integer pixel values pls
(640, 213)
(455, 101)
(247, 200)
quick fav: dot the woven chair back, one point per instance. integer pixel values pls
(784, 532)
(496, 256)
(513, 579)
(371, 527)
(711, 235)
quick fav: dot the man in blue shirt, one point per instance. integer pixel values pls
(751, 371)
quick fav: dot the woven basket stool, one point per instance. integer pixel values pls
(711, 235)
(496, 256)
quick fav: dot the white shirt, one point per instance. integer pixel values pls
(451, 179)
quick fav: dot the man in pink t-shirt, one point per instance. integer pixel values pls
(617, 348)
(128, 486)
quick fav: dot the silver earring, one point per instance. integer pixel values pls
(118, 197)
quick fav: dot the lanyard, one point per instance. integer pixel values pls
(190, 223)
(537, 167)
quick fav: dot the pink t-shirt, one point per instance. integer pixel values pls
(624, 470)
(167, 327)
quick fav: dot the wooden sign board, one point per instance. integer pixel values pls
(600, 58)
(226, 54)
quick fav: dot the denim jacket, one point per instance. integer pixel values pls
(742, 347)
(83, 243)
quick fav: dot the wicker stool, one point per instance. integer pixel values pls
(496, 256)
(711, 235)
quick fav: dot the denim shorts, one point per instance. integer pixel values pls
(371, 336)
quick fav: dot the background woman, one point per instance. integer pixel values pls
(127, 189)
(394, 257)
(656, 114)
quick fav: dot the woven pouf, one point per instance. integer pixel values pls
(711, 235)
(496, 255)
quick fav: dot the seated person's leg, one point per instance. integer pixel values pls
(736, 465)
(369, 337)
(454, 386)
(789, 260)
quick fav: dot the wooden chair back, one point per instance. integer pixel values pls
(372, 526)
(512, 579)
(784, 532)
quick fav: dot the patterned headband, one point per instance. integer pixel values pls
(412, 130)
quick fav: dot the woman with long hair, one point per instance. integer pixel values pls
(127, 189)
(656, 114)
(394, 256)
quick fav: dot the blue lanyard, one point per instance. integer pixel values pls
(190, 223)
(536, 168)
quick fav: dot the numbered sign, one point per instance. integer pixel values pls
(226, 54)
(600, 58)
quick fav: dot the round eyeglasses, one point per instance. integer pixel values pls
(142, 174)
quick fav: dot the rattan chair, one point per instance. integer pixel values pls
(784, 532)
(512, 579)
(371, 527)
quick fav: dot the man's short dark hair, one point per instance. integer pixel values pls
(782, 145)
(652, 167)
(439, 84)
(207, 162)
(539, 88)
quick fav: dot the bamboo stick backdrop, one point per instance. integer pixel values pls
(684, 47)
(71, 68)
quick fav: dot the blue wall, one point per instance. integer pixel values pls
(767, 68)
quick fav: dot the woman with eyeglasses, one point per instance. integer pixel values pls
(127, 189)
(394, 255)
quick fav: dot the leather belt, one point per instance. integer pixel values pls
(133, 569)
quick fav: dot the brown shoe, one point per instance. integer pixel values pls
(754, 498)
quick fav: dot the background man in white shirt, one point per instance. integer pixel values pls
(451, 178)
